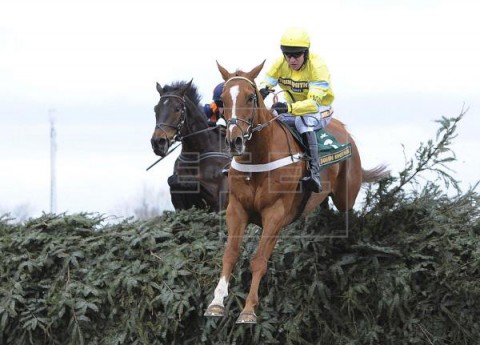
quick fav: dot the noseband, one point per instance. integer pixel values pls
(177, 127)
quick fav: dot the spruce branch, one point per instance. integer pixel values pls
(433, 156)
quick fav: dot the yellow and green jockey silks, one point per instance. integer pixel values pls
(306, 89)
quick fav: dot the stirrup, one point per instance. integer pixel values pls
(312, 185)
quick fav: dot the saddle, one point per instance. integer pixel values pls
(330, 150)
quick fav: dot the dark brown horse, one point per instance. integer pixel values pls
(197, 180)
(265, 181)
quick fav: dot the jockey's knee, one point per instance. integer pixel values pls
(312, 122)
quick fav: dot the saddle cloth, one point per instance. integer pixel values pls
(330, 150)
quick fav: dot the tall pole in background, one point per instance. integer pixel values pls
(53, 173)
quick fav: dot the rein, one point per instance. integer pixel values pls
(292, 158)
(160, 159)
(185, 159)
(180, 138)
(261, 126)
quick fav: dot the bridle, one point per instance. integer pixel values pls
(183, 119)
(179, 125)
(247, 135)
(178, 137)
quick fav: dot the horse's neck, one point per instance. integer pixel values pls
(196, 142)
(208, 141)
(271, 143)
(199, 139)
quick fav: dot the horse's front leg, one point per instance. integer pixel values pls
(236, 223)
(273, 221)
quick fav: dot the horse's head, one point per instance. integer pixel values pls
(170, 114)
(241, 101)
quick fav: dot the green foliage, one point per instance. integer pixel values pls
(403, 270)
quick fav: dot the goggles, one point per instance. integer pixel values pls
(293, 55)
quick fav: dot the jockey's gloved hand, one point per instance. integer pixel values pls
(265, 91)
(280, 108)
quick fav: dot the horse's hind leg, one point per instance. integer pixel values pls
(347, 185)
(236, 223)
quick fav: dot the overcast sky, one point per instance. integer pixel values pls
(91, 66)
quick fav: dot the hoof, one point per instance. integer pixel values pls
(215, 310)
(246, 317)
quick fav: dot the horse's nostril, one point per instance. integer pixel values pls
(160, 146)
(154, 143)
(238, 142)
(237, 146)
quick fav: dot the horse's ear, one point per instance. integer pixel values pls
(159, 89)
(256, 71)
(189, 84)
(225, 74)
(183, 90)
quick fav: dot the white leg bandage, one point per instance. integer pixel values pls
(221, 291)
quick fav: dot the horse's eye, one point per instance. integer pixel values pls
(178, 108)
(251, 98)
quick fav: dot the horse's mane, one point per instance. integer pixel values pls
(192, 92)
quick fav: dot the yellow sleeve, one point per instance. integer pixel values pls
(319, 89)
(307, 106)
(271, 77)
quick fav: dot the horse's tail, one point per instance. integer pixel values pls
(375, 174)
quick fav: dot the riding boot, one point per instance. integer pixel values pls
(312, 182)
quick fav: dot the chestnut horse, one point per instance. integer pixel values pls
(265, 181)
(197, 180)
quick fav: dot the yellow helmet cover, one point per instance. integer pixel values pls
(294, 40)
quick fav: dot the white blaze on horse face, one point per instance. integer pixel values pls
(234, 92)
(221, 292)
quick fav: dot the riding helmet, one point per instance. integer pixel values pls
(294, 40)
(217, 92)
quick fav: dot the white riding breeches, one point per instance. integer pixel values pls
(308, 122)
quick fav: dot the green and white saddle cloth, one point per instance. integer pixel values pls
(330, 150)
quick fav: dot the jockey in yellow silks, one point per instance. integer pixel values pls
(308, 93)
